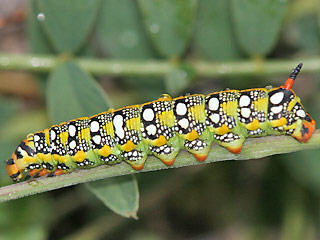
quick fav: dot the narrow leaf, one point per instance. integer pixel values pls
(257, 24)
(120, 194)
(170, 24)
(72, 93)
(68, 23)
(120, 30)
(38, 41)
(214, 38)
(121, 34)
(252, 149)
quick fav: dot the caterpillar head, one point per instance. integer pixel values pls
(16, 164)
(286, 111)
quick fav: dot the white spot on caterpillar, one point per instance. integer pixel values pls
(120, 132)
(118, 123)
(301, 113)
(277, 98)
(244, 101)
(215, 117)
(72, 130)
(184, 123)
(277, 109)
(94, 126)
(72, 144)
(213, 104)
(36, 138)
(245, 112)
(23, 152)
(96, 139)
(148, 114)
(53, 135)
(167, 150)
(181, 109)
(151, 129)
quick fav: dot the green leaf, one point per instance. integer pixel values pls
(214, 38)
(68, 23)
(120, 30)
(72, 93)
(169, 23)
(257, 24)
(38, 41)
(120, 194)
(121, 34)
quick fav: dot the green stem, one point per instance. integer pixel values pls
(41, 63)
(252, 149)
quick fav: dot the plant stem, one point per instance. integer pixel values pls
(41, 63)
(253, 148)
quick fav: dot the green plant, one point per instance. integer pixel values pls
(155, 47)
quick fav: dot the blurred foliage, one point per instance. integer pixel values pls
(257, 24)
(70, 87)
(119, 194)
(277, 198)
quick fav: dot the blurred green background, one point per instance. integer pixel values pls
(272, 198)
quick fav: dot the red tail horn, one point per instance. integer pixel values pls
(288, 84)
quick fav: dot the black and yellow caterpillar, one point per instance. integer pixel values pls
(162, 128)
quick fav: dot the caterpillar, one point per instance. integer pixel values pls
(161, 128)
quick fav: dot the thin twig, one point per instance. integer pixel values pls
(41, 63)
(253, 148)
